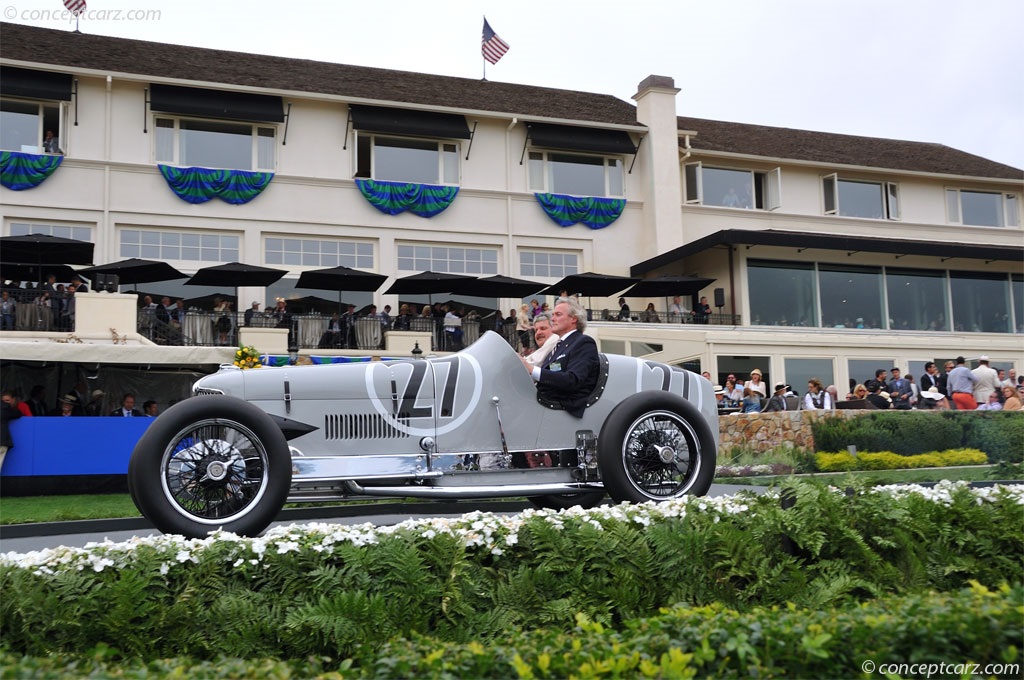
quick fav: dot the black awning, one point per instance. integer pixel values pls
(23, 82)
(196, 101)
(945, 250)
(580, 138)
(408, 122)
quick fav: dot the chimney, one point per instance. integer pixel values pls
(659, 157)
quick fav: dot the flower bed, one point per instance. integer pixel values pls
(345, 591)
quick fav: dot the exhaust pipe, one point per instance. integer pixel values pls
(503, 490)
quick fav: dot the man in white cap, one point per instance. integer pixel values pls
(987, 380)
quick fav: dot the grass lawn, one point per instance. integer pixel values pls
(24, 509)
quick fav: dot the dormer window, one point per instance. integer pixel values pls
(859, 198)
(33, 110)
(732, 188)
(982, 208)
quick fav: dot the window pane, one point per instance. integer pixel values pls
(728, 188)
(19, 127)
(265, 148)
(799, 371)
(405, 160)
(917, 299)
(980, 303)
(691, 182)
(576, 175)
(1017, 288)
(1012, 211)
(615, 187)
(164, 140)
(862, 370)
(860, 199)
(782, 294)
(851, 297)
(981, 209)
(953, 205)
(215, 145)
(450, 161)
(536, 171)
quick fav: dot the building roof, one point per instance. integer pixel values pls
(805, 240)
(832, 148)
(67, 49)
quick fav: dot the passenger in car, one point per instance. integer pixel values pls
(570, 371)
(544, 337)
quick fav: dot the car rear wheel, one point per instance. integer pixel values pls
(211, 462)
(656, 446)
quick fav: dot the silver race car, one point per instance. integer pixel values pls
(466, 425)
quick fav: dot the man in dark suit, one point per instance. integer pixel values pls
(127, 408)
(569, 373)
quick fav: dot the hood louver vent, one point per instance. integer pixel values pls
(361, 426)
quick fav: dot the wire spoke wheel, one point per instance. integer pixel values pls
(656, 454)
(214, 470)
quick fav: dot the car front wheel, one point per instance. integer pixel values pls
(656, 446)
(210, 462)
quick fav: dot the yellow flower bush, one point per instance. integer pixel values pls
(887, 460)
(247, 357)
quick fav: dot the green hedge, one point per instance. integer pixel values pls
(999, 434)
(339, 591)
(975, 625)
(843, 461)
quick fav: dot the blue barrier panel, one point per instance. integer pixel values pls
(72, 446)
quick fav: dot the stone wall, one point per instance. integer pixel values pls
(765, 431)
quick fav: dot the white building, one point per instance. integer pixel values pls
(835, 254)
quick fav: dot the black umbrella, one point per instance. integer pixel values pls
(206, 302)
(135, 271)
(45, 249)
(16, 271)
(235, 274)
(312, 303)
(341, 279)
(668, 286)
(500, 287)
(428, 283)
(591, 284)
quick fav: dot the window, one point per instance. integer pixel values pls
(557, 265)
(782, 293)
(24, 124)
(851, 297)
(318, 253)
(728, 188)
(982, 208)
(856, 198)
(77, 233)
(401, 159)
(799, 372)
(215, 144)
(575, 174)
(918, 299)
(448, 259)
(862, 370)
(175, 245)
(981, 302)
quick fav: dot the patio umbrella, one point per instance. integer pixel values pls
(667, 286)
(500, 287)
(135, 271)
(235, 274)
(428, 283)
(590, 284)
(312, 303)
(205, 302)
(45, 249)
(16, 271)
(341, 279)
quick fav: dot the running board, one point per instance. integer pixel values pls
(496, 491)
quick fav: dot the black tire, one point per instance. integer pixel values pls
(584, 499)
(655, 446)
(211, 462)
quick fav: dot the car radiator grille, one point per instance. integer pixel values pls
(361, 426)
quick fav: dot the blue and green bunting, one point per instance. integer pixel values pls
(592, 211)
(199, 185)
(20, 171)
(425, 200)
(277, 360)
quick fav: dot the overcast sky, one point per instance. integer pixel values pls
(923, 70)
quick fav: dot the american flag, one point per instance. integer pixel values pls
(76, 7)
(492, 47)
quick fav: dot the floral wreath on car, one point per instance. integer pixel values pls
(247, 357)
